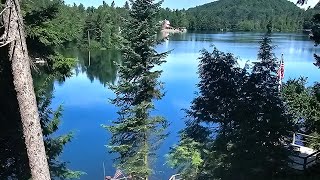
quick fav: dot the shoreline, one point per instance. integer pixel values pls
(174, 30)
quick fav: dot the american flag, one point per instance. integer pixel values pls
(281, 70)
(117, 174)
(302, 2)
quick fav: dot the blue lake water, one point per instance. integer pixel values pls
(85, 95)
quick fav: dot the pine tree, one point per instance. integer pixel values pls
(211, 118)
(113, 4)
(136, 133)
(238, 122)
(126, 5)
(265, 123)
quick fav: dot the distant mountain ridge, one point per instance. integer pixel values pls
(246, 15)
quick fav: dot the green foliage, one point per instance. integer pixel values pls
(226, 14)
(51, 23)
(266, 123)
(211, 117)
(103, 24)
(186, 157)
(126, 5)
(136, 133)
(238, 120)
(60, 65)
(178, 18)
(315, 33)
(243, 15)
(304, 104)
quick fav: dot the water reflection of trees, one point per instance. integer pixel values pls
(100, 65)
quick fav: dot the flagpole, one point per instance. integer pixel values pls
(280, 73)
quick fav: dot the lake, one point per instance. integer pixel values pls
(85, 95)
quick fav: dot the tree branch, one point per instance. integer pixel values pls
(4, 9)
(7, 42)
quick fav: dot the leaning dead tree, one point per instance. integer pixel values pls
(14, 42)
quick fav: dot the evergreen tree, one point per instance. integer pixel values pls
(126, 5)
(264, 121)
(113, 4)
(211, 119)
(136, 133)
(238, 123)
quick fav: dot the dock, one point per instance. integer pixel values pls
(305, 157)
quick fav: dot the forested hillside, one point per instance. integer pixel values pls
(246, 15)
(242, 15)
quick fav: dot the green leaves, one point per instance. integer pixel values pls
(304, 105)
(186, 157)
(61, 66)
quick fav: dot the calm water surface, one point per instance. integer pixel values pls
(85, 95)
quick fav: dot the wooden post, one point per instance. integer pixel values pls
(294, 138)
(280, 74)
(304, 163)
(89, 56)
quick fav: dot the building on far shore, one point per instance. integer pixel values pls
(166, 24)
(166, 27)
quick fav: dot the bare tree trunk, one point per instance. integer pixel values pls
(14, 37)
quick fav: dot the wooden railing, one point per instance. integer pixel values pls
(175, 177)
(307, 160)
(294, 139)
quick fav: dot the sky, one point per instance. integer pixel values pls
(173, 4)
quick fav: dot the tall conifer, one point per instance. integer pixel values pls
(238, 122)
(135, 133)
